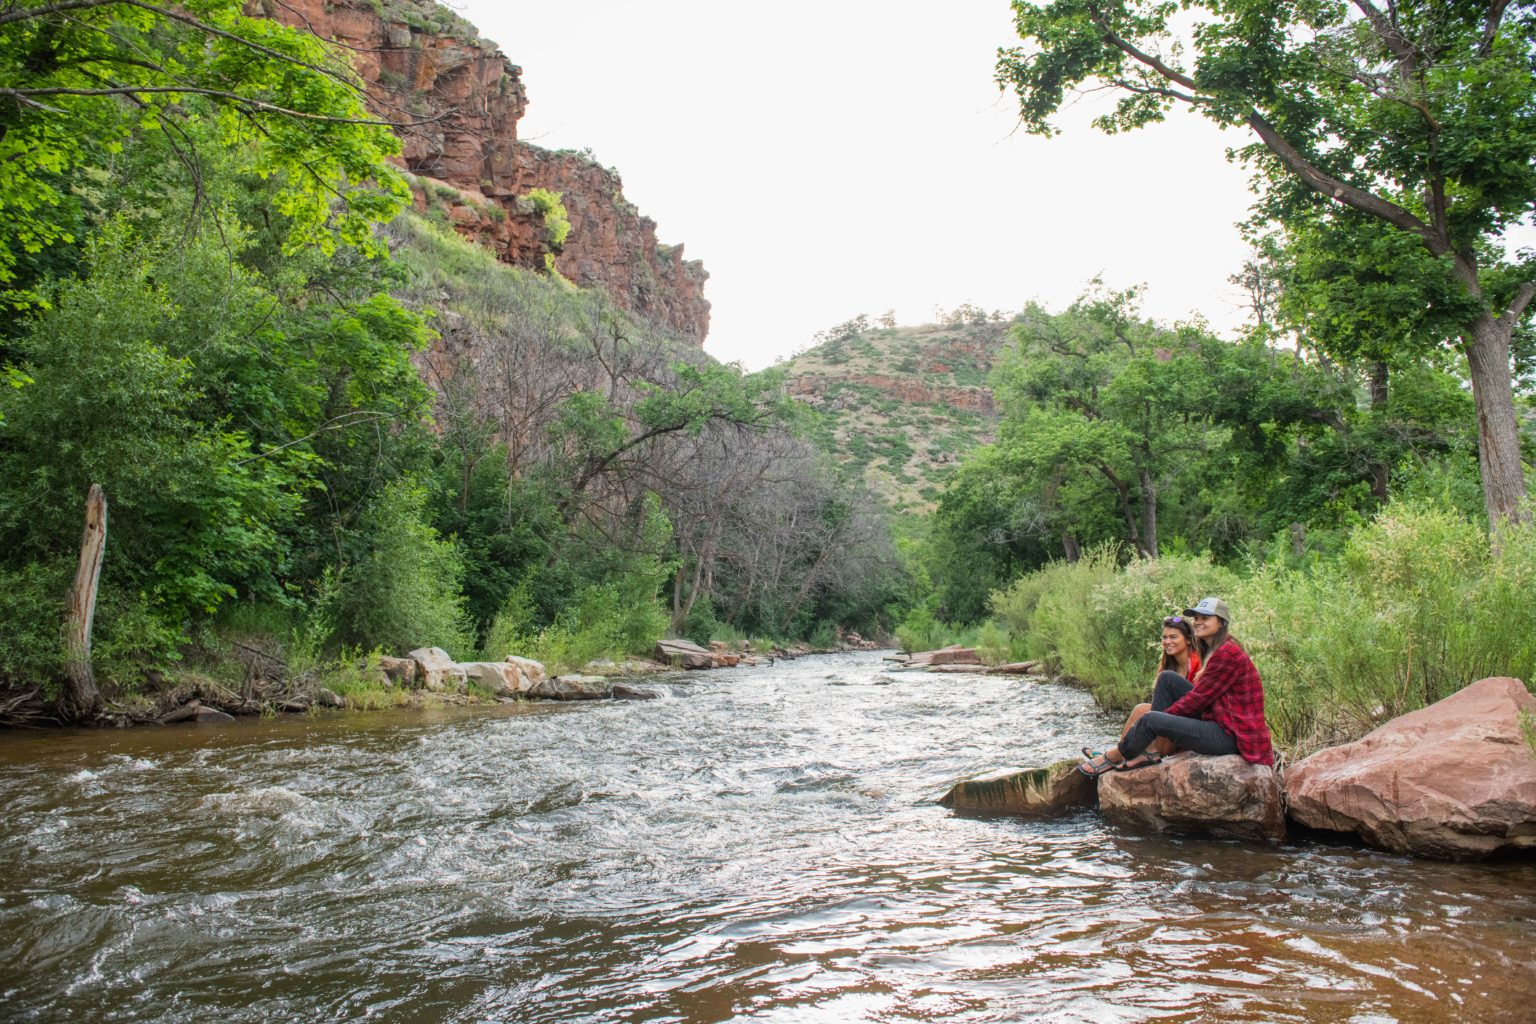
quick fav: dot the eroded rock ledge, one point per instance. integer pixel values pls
(464, 98)
(1453, 781)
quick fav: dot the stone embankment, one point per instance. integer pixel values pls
(1454, 781)
(433, 671)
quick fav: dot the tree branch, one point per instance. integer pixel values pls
(1491, 26)
(1142, 57)
(1342, 191)
(1386, 29)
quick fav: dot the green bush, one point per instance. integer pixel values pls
(919, 632)
(1100, 624)
(604, 620)
(1418, 605)
(129, 636)
(405, 592)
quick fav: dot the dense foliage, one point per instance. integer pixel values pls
(1394, 145)
(317, 438)
(1343, 644)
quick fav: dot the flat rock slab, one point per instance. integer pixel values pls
(1455, 780)
(1039, 793)
(683, 654)
(574, 687)
(1189, 793)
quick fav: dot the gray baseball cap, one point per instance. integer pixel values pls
(1211, 606)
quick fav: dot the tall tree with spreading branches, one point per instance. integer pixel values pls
(78, 76)
(1419, 115)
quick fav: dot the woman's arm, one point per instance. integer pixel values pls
(1218, 676)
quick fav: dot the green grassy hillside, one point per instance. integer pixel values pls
(903, 404)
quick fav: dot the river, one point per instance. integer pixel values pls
(761, 845)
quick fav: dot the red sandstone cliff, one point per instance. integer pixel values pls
(423, 64)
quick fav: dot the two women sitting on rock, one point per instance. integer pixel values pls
(1220, 712)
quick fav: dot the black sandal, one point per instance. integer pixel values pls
(1109, 766)
(1151, 759)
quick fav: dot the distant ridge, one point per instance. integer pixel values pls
(903, 404)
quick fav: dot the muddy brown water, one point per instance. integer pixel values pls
(761, 846)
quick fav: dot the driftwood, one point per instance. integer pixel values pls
(83, 695)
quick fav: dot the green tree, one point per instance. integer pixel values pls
(1420, 116)
(1098, 402)
(79, 77)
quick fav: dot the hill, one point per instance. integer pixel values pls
(903, 404)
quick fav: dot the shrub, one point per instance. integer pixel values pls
(919, 632)
(405, 592)
(1417, 606)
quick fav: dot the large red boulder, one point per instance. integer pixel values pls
(1455, 780)
(1188, 793)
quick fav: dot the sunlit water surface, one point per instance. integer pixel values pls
(764, 846)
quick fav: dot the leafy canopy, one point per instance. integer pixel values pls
(78, 77)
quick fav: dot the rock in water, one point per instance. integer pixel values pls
(1043, 792)
(574, 687)
(1220, 796)
(1455, 780)
(502, 678)
(683, 654)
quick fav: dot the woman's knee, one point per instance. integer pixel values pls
(1170, 687)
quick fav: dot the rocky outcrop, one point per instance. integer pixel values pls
(574, 687)
(399, 672)
(501, 678)
(1455, 780)
(531, 670)
(436, 670)
(909, 390)
(459, 99)
(1043, 792)
(1188, 793)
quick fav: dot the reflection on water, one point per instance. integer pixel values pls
(763, 848)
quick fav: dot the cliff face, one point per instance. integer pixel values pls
(422, 63)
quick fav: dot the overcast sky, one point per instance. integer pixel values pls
(852, 156)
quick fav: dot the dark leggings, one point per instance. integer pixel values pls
(1195, 734)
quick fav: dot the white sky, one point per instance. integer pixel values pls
(853, 156)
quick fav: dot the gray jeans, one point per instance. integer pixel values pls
(1195, 734)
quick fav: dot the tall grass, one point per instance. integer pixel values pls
(1418, 605)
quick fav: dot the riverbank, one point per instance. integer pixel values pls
(256, 677)
(763, 844)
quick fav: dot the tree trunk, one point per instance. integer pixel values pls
(1148, 515)
(1381, 472)
(1071, 548)
(1498, 431)
(84, 698)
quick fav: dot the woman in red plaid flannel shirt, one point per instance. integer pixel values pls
(1223, 712)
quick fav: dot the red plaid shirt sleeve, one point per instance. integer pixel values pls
(1228, 692)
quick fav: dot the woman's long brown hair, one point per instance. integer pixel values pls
(1182, 625)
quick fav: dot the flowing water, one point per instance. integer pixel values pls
(761, 846)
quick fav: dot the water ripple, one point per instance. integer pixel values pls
(762, 847)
